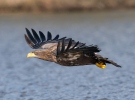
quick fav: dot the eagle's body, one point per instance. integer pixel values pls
(75, 59)
(64, 51)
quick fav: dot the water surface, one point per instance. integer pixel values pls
(34, 79)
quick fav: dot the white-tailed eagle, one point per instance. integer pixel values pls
(64, 51)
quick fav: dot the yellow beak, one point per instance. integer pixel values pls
(101, 65)
(30, 55)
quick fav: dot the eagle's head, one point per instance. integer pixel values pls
(41, 54)
(35, 54)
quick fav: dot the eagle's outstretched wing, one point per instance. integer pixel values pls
(36, 41)
(75, 54)
(80, 47)
(39, 41)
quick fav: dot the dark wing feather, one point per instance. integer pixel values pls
(56, 37)
(36, 41)
(91, 48)
(36, 36)
(49, 36)
(58, 48)
(63, 45)
(69, 45)
(42, 36)
(30, 36)
(30, 43)
(76, 46)
(83, 44)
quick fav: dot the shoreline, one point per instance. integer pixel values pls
(34, 6)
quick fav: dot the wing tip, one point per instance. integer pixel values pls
(26, 29)
(28, 41)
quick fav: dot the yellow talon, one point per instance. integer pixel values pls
(101, 65)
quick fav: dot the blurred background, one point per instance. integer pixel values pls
(63, 5)
(110, 24)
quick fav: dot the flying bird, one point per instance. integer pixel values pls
(64, 51)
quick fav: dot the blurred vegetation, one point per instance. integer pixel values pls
(63, 5)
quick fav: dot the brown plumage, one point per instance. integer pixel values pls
(64, 51)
